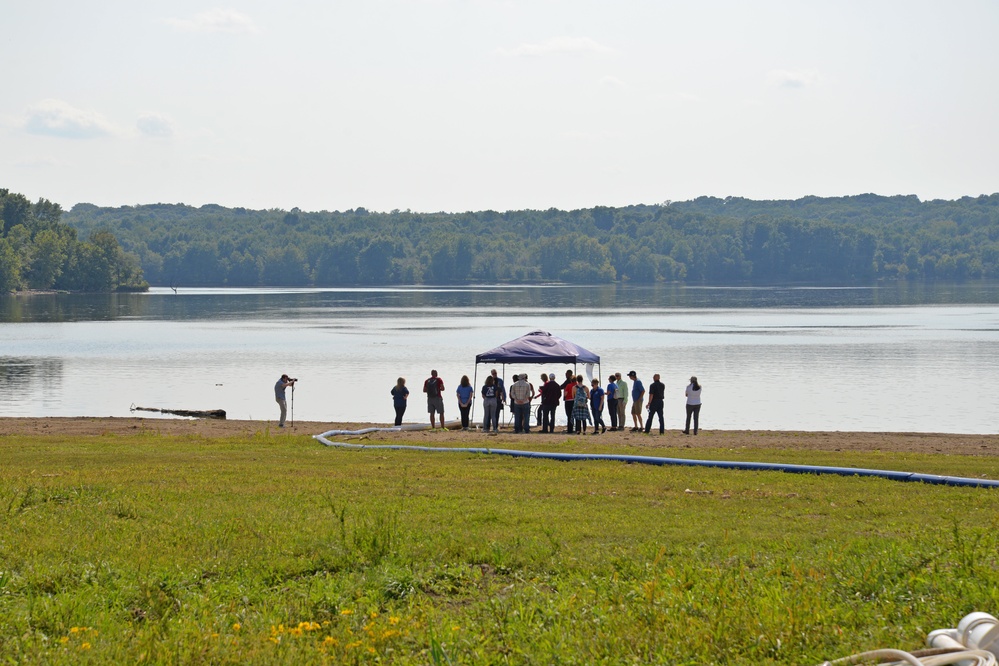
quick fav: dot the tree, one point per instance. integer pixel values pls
(10, 268)
(47, 260)
(285, 267)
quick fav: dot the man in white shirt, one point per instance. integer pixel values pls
(520, 396)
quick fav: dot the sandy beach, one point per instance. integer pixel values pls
(974, 445)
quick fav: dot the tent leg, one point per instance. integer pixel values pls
(475, 383)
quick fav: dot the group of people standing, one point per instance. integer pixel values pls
(584, 405)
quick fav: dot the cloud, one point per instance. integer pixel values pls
(215, 20)
(53, 117)
(155, 126)
(792, 79)
(555, 46)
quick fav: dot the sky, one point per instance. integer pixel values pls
(458, 105)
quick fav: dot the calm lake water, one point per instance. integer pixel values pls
(886, 358)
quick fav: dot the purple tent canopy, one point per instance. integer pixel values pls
(538, 347)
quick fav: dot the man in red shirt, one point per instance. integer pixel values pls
(434, 388)
(568, 396)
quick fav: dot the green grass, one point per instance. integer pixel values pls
(168, 550)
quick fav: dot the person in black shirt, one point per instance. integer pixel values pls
(550, 394)
(657, 393)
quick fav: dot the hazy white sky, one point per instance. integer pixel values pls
(495, 104)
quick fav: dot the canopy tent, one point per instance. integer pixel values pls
(536, 347)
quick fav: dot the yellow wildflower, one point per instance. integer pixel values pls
(455, 628)
(85, 646)
(374, 614)
(393, 620)
(329, 641)
(346, 611)
(64, 640)
(237, 627)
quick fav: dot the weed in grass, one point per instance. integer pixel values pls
(260, 551)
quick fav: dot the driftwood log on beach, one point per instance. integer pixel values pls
(193, 413)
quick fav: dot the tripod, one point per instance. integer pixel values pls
(292, 405)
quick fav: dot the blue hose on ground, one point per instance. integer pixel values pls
(648, 460)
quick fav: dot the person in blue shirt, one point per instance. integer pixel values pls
(597, 407)
(400, 394)
(611, 394)
(465, 392)
(637, 400)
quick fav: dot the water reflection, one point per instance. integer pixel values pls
(30, 380)
(191, 304)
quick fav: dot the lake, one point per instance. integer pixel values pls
(893, 357)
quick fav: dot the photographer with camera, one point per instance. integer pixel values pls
(279, 389)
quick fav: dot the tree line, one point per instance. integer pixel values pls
(855, 239)
(38, 251)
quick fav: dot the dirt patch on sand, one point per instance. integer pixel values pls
(979, 445)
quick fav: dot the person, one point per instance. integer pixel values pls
(540, 411)
(657, 393)
(551, 392)
(568, 394)
(279, 393)
(400, 394)
(490, 405)
(597, 407)
(434, 388)
(520, 399)
(611, 394)
(622, 401)
(580, 408)
(501, 388)
(693, 394)
(464, 392)
(637, 400)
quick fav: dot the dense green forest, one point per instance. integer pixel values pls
(707, 240)
(37, 251)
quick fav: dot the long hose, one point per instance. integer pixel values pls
(649, 460)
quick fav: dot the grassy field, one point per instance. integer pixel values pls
(276, 550)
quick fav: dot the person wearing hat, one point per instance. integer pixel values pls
(637, 400)
(693, 394)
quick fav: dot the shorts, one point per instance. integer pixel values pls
(435, 405)
(636, 407)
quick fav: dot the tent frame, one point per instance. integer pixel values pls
(475, 383)
(540, 360)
